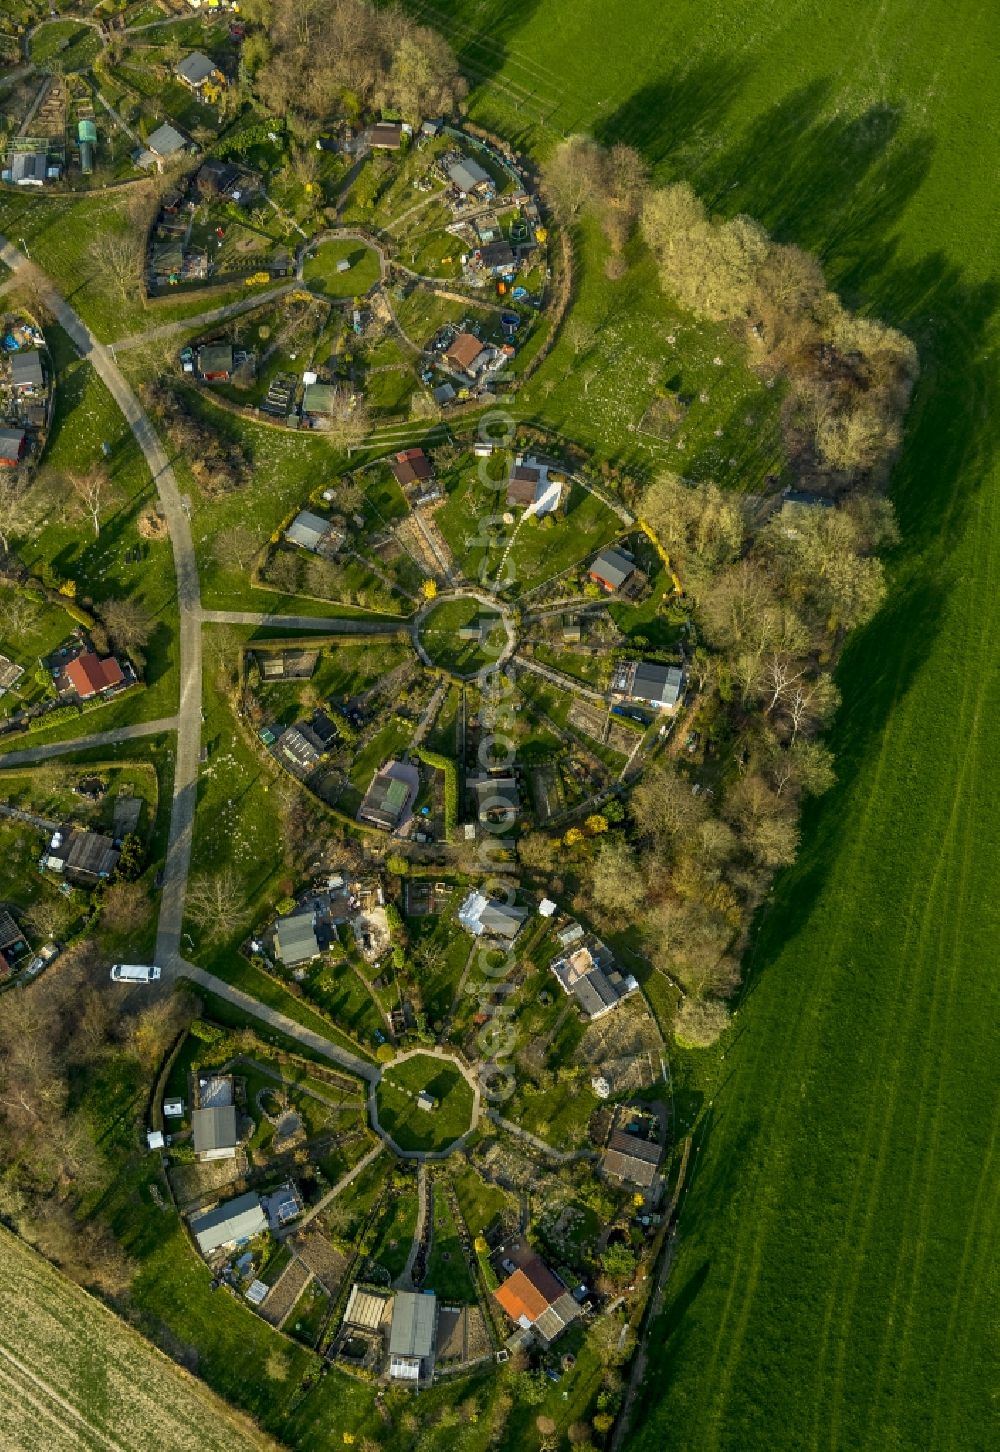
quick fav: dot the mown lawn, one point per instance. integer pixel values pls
(323, 276)
(439, 635)
(414, 1128)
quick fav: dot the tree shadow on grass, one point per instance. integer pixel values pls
(670, 119)
(839, 187)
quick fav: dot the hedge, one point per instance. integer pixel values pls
(445, 764)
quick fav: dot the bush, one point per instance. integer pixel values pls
(700, 1022)
(208, 1033)
(385, 1053)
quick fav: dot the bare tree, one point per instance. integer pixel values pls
(811, 704)
(580, 335)
(663, 807)
(285, 572)
(18, 611)
(215, 902)
(49, 915)
(235, 546)
(349, 421)
(128, 623)
(119, 257)
(701, 1021)
(573, 177)
(618, 889)
(125, 907)
(15, 506)
(94, 492)
(780, 677)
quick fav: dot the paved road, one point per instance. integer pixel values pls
(31, 755)
(342, 1184)
(332, 624)
(202, 320)
(566, 683)
(178, 855)
(353, 1063)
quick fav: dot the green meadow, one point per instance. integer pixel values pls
(834, 1284)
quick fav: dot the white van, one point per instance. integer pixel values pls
(134, 973)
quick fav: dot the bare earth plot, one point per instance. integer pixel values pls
(72, 1376)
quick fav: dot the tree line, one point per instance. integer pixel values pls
(847, 378)
(63, 1045)
(311, 59)
(705, 829)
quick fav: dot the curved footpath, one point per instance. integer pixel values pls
(185, 790)
(188, 719)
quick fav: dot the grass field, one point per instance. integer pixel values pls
(835, 1280)
(833, 1284)
(76, 1378)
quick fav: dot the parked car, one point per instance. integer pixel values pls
(134, 973)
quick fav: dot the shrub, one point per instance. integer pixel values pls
(700, 1022)
(445, 764)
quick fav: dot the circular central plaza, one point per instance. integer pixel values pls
(424, 1103)
(465, 634)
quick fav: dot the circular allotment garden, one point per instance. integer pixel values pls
(425, 1102)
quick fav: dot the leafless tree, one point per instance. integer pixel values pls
(15, 506)
(812, 703)
(119, 256)
(215, 902)
(235, 546)
(780, 676)
(573, 177)
(580, 335)
(128, 623)
(349, 421)
(125, 907)
(285, 572)
(617, 888)
(49, 914)
(18, 611)
(94, 492)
